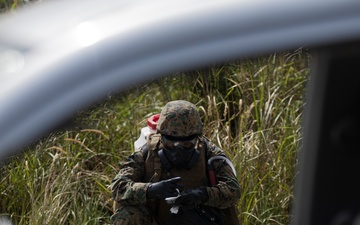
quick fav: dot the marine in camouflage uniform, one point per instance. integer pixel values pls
(173, 160)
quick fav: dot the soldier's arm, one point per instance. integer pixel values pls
(227, 190)
(128, 187)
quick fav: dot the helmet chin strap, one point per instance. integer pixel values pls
(168, 165)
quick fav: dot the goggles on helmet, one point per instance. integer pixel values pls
(172, 143)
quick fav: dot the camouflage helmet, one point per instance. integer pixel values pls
(179, 119)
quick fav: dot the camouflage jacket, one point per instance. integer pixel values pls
(129, 186)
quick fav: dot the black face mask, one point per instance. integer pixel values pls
(179, 153)
(178, 156)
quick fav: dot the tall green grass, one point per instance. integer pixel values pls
(251, 108)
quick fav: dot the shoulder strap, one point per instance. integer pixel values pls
(152, 160)
(153, 141)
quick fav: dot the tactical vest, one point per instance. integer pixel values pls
(190, 178)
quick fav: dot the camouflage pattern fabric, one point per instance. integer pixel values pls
(227, 192)
(133, 215)
(129, 188)
(179, 119)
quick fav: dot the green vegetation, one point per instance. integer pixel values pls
(251, 108)
(9, 5)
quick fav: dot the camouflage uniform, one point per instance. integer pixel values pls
(130, 184)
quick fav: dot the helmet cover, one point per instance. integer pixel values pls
(179, 119)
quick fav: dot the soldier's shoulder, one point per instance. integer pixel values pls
(211, 147)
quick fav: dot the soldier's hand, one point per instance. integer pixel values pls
(191, 198)
(164, 189)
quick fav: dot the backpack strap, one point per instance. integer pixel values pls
(152, 160)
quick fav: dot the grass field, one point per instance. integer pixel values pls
(251, 108)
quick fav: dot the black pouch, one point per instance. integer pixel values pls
(201, 215)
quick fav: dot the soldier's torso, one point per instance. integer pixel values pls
(190, 178)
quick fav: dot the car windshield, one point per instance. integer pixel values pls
(80, 79)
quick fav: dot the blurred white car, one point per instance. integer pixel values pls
(60, 56)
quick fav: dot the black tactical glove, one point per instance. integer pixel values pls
(164, 189)
(192, 198)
